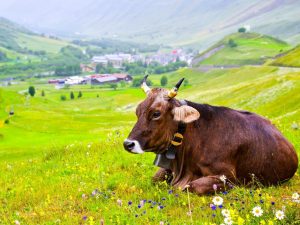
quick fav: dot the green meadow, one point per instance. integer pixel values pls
(62, 162)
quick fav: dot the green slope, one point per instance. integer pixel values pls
(18, 40)
(241, 49)
(55, 153)
(290, 58)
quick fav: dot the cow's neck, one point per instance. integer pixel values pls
(181, 175)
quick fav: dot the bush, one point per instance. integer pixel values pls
(231, 43)
(79, 94)
(137, 82)
(43, 93)
(63, 98)
(31, 91)
(72, 95)
(164, 81)
(114, 86)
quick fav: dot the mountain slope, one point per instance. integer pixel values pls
(290, 58)
(178, 22)
(16, 38)
(241, 49)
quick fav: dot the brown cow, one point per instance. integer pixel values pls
(219, 144)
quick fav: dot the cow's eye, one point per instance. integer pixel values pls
(156, 114)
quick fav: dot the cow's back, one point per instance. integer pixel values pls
(247, 140)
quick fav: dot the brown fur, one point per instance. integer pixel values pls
(222, 141)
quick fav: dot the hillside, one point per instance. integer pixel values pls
(63, 161)
(241, 49)
(179, 22)
(17, 41)
(290, 58)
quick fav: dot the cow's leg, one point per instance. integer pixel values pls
(162, 175)
(207, 185)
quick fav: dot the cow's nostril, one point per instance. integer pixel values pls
(129, 145)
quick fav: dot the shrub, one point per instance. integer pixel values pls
(79, 94)
(164, 81)
(31, 91)
(231, 43)
(63, 98)
(43, 93)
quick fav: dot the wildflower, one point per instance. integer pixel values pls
(213, 215)
(163, 199)
(279, 215)
(257, 211)
(161, 223)
(84, 217)
(119, 202)
(295, 196)
(88, 145)
(228, 221)
(225, 192)
(225, 212)
(17, 222)
(217, 200)
(240, 221)
(261, 201)
(130, 203)
(170, 191)
(223, 179)
(273, 203)
(220, 206)
(213, 207)
(215, 187)
(189, 213)
(142, 203)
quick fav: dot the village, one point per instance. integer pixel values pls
(117, 61)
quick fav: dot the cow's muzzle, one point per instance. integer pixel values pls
(132, 146)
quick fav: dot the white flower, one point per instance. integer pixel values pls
(295, 196)
(119, 202)
(223, 179)
(228, 221)
(17, 222)
(225, 212)
(88, 145)
(217, 200)
(279, 215)
(257, 211)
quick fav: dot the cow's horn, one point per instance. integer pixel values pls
(144, 85)
(174, 90)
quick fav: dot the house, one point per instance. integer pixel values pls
(98, 79)
(87, 68)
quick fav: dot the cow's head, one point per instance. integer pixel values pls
(158, 118)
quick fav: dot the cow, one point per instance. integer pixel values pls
(207, 148)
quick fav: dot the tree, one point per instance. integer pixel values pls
(79, 94)
(114, 86)
(164, 81)
(242, 30)
(231, 43)
(71, 95)
(43, 93)
(31, 91)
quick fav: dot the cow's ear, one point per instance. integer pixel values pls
(185, 114)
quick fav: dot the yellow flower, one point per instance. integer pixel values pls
(240, 221)
(270, 222)
(262, 222)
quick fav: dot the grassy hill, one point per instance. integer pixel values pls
(63, 161)
(19, 42)
(241, 49)
(290, 58)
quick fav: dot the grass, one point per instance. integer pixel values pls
(38, 43)
(251, 48)
(290, 59)
(62, 162)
